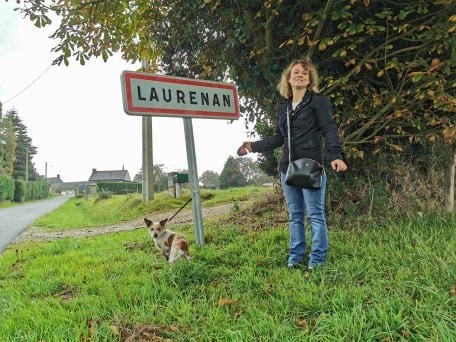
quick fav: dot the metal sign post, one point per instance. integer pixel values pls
(193, 181)
(147, 153)
(147, 160)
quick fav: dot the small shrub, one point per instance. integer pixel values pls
(235, 205)
(206, 195)
(102, 195)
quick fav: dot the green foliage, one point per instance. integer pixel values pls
(25, 151)
(7, 145)
(160, 177)
(387, 67)
(210, 180)
(103, 195)
(37, 190)
(29, 191)
(80, 213)
(6, 188)
(119, 188)
(391, 89)
(231, 175)
(384, 184)
(20, 190)
(252, 171)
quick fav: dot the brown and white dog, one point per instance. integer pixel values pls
(173, 246)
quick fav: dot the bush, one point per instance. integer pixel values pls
(103, 194)
(39, 189)
(384, 187)
(120, 188)
(6, 188)
(20, 190)
(29, 191)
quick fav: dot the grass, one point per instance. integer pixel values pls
(394, 282)
(80, 213)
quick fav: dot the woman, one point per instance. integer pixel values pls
(310, 120)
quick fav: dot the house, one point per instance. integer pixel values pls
(58, 186)
(138, 178)
(109, 176)
(112, 176)
(55, 181)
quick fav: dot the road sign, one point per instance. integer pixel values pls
(156, 95)
(180, 178)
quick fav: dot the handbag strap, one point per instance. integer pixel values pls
(289, 138)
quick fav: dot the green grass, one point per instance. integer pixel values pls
(394, 282)
(80, 213)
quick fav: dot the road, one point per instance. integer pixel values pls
(15, 220)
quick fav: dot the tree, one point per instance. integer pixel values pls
(387, 66)
(160, 177)
(210, 180)
(231, 175)
(24, 151)
(8, 148)
(252, 172)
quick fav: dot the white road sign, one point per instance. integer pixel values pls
(156, 95)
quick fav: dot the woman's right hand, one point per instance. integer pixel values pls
(244, 149)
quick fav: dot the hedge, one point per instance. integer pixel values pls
(119, 188)
(6, 188)
(20, 191)
(37, 190)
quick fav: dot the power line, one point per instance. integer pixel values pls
(36, 79)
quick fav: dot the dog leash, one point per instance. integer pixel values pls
(180, 209)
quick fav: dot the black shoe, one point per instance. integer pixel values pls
(293, 266)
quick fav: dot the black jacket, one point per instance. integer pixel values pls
(310, 121)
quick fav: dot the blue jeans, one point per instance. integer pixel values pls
(310, 202)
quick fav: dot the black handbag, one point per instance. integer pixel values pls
(302, 173)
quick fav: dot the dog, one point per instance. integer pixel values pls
(173, 246)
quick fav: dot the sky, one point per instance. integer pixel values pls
(74, 114)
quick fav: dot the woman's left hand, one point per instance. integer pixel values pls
(338, 165)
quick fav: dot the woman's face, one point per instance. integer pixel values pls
(299, 77)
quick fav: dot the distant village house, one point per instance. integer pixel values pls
(59, 186)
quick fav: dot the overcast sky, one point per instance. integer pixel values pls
(74, 115)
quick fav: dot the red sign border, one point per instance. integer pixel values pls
(127, 76)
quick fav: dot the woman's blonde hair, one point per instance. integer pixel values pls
(284, 87)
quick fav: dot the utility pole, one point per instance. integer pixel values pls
(26, 164)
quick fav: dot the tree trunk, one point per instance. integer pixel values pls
(450, 176)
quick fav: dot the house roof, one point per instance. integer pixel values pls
(138, 178)
(55, 180)
(68, 186)
(113, 175)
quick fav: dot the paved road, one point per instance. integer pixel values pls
(15, 220)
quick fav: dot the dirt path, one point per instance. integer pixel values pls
(184, 217)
